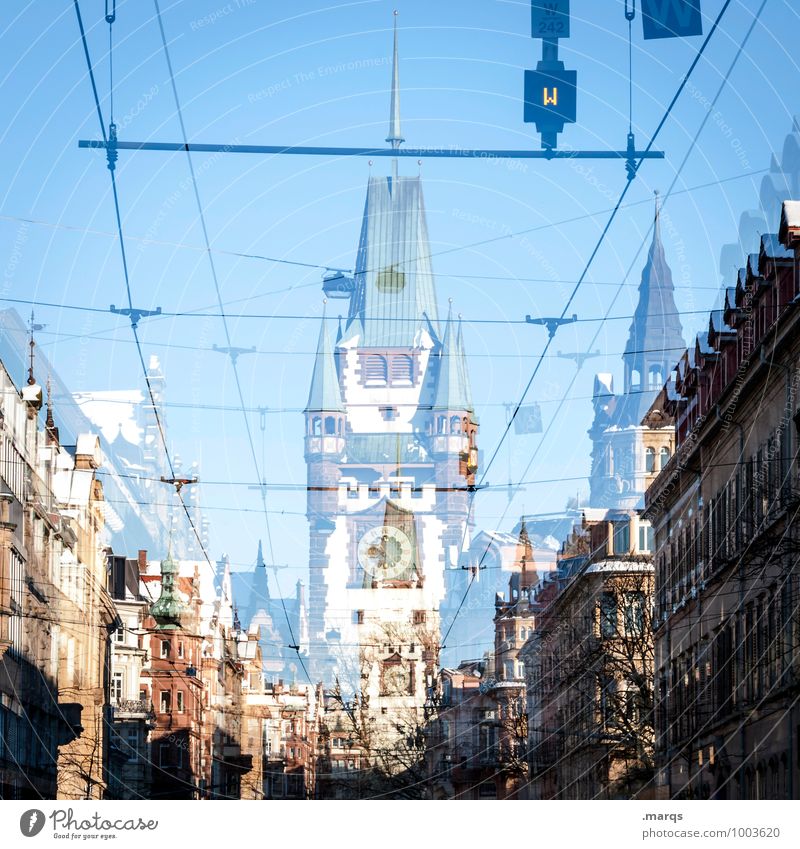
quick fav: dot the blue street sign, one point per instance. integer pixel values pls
(550, 99)
(550, 18)
(671, 18)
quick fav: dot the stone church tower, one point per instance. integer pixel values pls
(391, 452)
(627, 453)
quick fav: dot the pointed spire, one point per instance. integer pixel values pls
(462, 360)
(452, 392)
(50, 429)
(32, 343)
(395, 137)
(325, 394)
(655, 339)
(260, 557)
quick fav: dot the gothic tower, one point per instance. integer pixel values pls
(627, 453)
(391, 451)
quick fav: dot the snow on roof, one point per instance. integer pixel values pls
(109, 411)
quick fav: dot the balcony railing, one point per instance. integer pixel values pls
(132, 708)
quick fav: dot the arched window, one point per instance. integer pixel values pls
(375, 370)
(656, 377)
(636, 378)
(664, 455)
(330, 426)
(441, 425)
(650, 460)
(402, 370)
(610, 460)
(455, 425)
(316, 426)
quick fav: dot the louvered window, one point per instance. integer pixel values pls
(375, 369)
(402, 370)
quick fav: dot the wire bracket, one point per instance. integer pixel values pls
(135, 315)
(179, 483)
(551, 323)
(233, 352)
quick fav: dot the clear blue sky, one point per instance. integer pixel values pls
(254, 71)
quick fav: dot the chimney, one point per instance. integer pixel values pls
(142, 561)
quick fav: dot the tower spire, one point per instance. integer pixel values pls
(395, 137)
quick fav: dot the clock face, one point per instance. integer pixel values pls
(385, 552)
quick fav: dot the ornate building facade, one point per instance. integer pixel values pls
(391, 453)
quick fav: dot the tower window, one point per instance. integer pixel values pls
(650, 460)
(316, 426)
(402, 370)
(455, 425)
(656, 377)
(330, 426)
(664, 455)
(375, 370)
(636, 379)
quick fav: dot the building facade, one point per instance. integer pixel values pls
(589, 666)
(725, 516)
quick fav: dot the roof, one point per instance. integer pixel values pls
(452, 386)
(371, 448)
(395, 289)
(325, 394)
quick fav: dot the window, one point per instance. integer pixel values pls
(165, 648)
(455, 425)
(119, 635)
(608, 615)
(419, 617)
(117, 685)
(402, 370)
(179, 696)
(656, 377)
(165, 702)
(316, 426)
(650, 460)
(646, 538)
(634, 613)
(180, 649)
(375, 370)
(622, 538)
(132, 743)
(664, 455)
(358, 617)
(163, 754)
(330, 426)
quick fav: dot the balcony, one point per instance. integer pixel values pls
(129, 709)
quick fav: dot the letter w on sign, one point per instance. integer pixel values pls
(671, 18)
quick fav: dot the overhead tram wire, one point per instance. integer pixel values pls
(243, 255)
(228, 341)
(589, 263)
(128, 292)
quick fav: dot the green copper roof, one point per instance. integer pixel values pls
(394, 280)
(168, 609)
(452, 385)
(325, 394)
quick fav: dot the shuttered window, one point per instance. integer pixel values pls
(375, 369)
(402, 369)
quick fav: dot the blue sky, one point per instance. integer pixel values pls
(311, 73)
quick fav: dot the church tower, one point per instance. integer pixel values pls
(626, 453)
(391, 453)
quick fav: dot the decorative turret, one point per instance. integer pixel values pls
(325, 414)
(168, 609)
(453, 425)
(656, 337)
